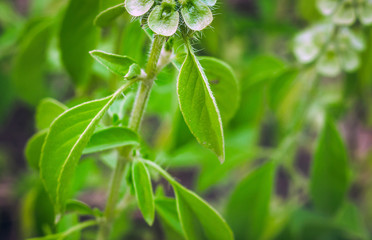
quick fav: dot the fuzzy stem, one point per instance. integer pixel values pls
(146, 85)
(134, 124)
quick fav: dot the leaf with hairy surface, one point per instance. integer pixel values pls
(199, 107)
(64, 144)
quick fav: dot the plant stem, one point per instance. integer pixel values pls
(109, 214)
(143, 94)
(146, 85)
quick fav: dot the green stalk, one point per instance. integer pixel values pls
(146, 85)
(134, 124)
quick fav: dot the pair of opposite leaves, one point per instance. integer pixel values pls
(164, 18)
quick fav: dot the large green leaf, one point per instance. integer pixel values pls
(48, 110)
(64, 144)
(107, 16)
(224, 85)
(143, 188)
(78, 36)
(115, 63)
(248, 207)
(199, 107)
(329, 175)
(109, 138)
(29, 64)
(198, 219)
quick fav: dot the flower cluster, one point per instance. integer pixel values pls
(333, 49)
(346, 12)
(163, 17)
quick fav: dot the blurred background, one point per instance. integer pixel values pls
(282, 107)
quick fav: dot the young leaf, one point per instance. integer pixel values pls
(48, 110)
(164, 20)
(198, 219)
(199, 107)
(143, 188)
(33, 149)
(224, 85)
(138, 7)
(109, 138)
(107, 16)
(329, 175)
(64, 144)
(28, 70)
(78, 36)
(115, 63)
(196, 14)
(248, 222)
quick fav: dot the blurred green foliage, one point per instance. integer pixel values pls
(298, 136)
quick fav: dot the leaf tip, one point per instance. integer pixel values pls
(221, 158)
(93, 52)
(57, 218)
(150, 220)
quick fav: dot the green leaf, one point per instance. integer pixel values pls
(79, 207)
(107, 16)
(48, 110)
(138, 7)
(36, 213)
(134, 41)
(196, 14)
(329, 175)
(28, 70)
(109, 138)
(71, 232)
(164, 20)
(198, 219)
(115, 63)
(64, 144)
(248, 208)
(199, 107)
(166, 208)
(33, 149)
(78, 36)
(143, 188)
(224, 85)
(350, 219)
